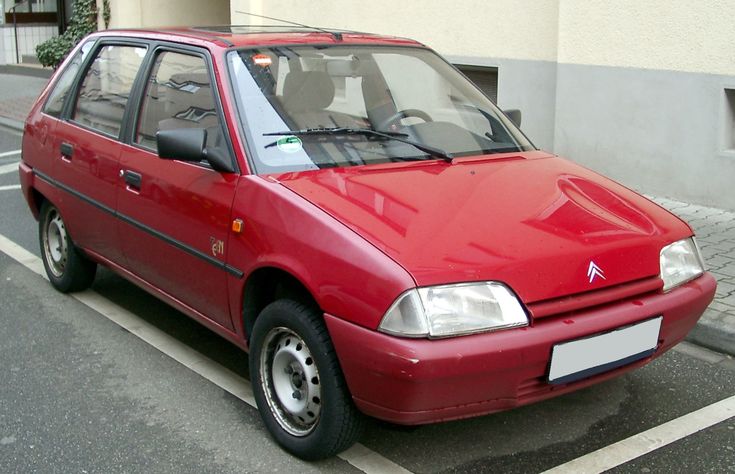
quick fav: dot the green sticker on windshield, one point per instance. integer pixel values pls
(289, 144)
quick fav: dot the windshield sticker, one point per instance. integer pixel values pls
(289, 144)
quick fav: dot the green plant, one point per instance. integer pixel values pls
(106, 13)
(83, 22)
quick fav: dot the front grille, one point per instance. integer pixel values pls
(566, 304)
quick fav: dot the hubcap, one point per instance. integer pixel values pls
(55, 243)
(290, 381)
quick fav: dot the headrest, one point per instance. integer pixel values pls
(307, 90)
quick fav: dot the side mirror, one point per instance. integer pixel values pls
(514, 115)
(220, 161)
(189, 144)
(184, 144)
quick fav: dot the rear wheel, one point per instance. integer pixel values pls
(67, 269)
(298, 384)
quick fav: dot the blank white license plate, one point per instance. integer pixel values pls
(575, 360)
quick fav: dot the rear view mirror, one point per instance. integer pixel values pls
(349, 67)
(514, 115)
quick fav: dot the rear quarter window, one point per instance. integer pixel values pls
(55, 103)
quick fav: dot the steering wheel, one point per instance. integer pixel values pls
(405, 113)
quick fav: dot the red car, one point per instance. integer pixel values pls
(351, 210)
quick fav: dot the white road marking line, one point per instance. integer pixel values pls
(9, 168)
(8, 188)
(359, 456)
(650, 440)
(9, 153)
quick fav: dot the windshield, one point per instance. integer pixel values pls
(309, 107)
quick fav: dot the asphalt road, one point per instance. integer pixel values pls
(78, 393)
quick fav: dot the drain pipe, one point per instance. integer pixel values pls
(15, 30)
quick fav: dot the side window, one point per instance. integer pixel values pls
(106, 88)
(178, 95)
(56, 99)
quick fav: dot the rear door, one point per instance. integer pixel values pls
(87, 146)
(174, 215)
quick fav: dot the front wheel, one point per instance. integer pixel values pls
(298, 384)
(67, 269)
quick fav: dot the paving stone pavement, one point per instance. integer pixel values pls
(715, 231)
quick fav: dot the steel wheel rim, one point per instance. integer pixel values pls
(55, 243)
(290, 380)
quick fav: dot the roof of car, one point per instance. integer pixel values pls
(263, 35)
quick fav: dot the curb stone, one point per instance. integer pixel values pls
(20, 70)
(11, 124)
(716, 331)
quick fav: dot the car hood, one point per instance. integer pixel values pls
(534, 221)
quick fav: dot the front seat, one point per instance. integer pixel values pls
(306, 95)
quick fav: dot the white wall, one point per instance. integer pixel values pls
(676, 35)
(148, 13)
(29, 36)
(497, 28)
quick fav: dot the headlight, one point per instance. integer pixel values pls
(453, 310)
(680, 263)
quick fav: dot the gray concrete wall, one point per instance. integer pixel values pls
(526, 85)
(659, 132)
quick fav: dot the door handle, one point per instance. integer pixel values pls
(133, 179)
(67, 150)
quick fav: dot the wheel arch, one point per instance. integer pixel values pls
(266, 285)
(36, 201)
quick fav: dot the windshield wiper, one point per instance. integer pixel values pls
(397, 136)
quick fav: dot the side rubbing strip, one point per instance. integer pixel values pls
(139, 225)
(74, 193)
(180, 245)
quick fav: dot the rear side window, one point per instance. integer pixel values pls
(56, 99)
(178, 95)
(105, 90)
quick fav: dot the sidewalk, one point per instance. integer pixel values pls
(715, 228)
(17, 95)
(715, 231)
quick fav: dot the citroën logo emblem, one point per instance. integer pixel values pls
(594, 271)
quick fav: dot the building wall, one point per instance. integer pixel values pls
(145, 13)
(633, 89)
(674, 35)
(641, 94)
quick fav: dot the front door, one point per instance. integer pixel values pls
(174, 216)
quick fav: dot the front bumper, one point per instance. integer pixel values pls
(416, 381)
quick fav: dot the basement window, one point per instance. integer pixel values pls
(729, 125)
(485, 78)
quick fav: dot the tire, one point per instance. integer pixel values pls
(298, 385)
(67, 269)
